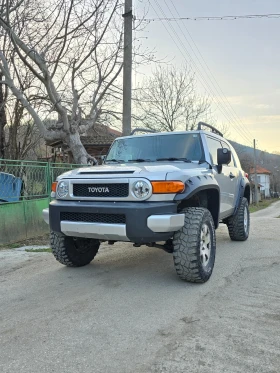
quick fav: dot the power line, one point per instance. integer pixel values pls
(215, 18)
(218, 90)
(204, 82)
(201, 78)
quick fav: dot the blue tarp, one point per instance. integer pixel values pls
(10, 187)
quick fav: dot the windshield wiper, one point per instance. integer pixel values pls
(114, 160)
(174, 159)
(139, 160)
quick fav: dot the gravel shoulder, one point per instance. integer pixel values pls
(272, 211)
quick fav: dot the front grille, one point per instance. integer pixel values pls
(88, 217)
(100, 190)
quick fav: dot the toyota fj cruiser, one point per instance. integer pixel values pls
(166, 190)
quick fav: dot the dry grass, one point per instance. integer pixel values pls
(262, 204)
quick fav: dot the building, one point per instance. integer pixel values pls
(263, 178)
(97, 143)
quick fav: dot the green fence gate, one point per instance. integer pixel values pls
(25, 188)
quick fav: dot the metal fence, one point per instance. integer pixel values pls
(25, 189)
(27, 180)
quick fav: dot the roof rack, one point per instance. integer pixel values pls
(141, 130)
(213, 129)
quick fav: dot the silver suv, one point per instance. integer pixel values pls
(165, 190)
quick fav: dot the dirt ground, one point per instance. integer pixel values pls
(34, 241)
(127, 312)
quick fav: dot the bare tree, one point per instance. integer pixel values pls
(245, 155)
(73, 50)
(168, 100)
(19, 137)
(21, 134)
(247, 162)
(3, 119)
(3, 102)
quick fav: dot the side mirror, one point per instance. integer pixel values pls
(224, 156)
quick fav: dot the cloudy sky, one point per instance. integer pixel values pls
(237, 63)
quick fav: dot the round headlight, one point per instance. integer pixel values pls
(141, 189)
(62, 189)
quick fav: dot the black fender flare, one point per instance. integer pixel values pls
(241, 191)
(196, 184)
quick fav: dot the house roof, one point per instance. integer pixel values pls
(114, 132)
(100, 135)
(260, 170)
(98, 139)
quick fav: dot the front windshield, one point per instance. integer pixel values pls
(155, 148)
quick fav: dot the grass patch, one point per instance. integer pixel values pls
(13, 245)
(38, 241)
(262, 204)
(10, 246)
(46, 250)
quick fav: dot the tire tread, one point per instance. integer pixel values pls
(62, 249)
(236, 223)
(185, 243)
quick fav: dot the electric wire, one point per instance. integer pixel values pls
(216, 18)
(201, 78)
(225, 102)
(216, 85)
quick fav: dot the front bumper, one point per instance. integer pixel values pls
(145, 222)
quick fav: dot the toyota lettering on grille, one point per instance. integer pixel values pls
(98, 190)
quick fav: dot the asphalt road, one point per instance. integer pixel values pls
(128, 311)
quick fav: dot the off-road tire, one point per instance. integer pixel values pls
(72, 251)
(190, 251)
(239, 225)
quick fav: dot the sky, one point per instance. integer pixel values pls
(237, 63)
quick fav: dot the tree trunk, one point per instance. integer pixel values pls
(14, 129)
(77, 148)
(3, 120)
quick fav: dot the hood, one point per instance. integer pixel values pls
(149, 170)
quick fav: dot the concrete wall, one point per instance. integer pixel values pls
(22, 220)
(252, 194)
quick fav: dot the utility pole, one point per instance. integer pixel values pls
(255, 177)
(127, 67)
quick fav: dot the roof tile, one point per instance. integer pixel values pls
(260, 170)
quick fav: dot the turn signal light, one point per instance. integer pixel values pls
(164, 187)
(54, 184)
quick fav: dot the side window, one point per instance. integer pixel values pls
(232, 162)
(236, 159)
(213, 146)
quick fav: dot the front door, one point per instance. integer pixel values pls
(226, 178)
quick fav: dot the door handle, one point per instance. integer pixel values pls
(231, 175)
